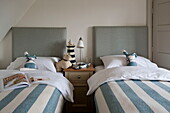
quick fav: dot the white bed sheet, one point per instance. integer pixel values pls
(126, 73)
(99, 68)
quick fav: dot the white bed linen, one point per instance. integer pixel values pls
(126, 73)
(98, 68)
(111, 61)
(43, 63)
(56, 80)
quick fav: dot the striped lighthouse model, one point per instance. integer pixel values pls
(71, 52)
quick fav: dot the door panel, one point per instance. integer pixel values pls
(161, 33)
(163, 13)
(165, 60)
(164, 41)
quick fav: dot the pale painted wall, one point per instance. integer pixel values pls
(80, 15)
(11, 12)
(6, 50)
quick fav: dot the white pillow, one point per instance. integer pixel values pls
(120, 60)
(114, 61)
(144, 62)
(98, 68)
(43, 63)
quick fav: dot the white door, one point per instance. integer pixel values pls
(161, 33)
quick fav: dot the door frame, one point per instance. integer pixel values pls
(149, 23)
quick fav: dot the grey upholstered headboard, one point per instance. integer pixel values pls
(111, 40)
(38, 41)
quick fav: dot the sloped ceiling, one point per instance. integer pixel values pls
(11, 11)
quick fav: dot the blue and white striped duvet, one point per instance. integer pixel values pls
(35, 99)
(133, 96)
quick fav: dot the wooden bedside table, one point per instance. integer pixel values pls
(78, 78)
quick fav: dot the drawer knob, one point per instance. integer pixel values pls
(78, 77)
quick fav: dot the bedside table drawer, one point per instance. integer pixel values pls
(82, 102)
(76, 76)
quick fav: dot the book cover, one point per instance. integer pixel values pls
(15, 81)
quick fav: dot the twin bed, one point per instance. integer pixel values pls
(48, 44)
(118, 88)
(127, 89)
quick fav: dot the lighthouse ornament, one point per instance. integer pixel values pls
(71, 52)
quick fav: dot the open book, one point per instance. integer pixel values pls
(19, 80)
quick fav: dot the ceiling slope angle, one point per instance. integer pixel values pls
(11, 11)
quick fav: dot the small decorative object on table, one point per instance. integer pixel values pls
(70, 51)
(130, 58)
(81, 66)
(65, 63)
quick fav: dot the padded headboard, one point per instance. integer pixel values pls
(111, 40)
(38, 41)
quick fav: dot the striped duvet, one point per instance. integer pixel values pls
(133, 96)
(35, 99)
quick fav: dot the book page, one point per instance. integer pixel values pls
(14, 80)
